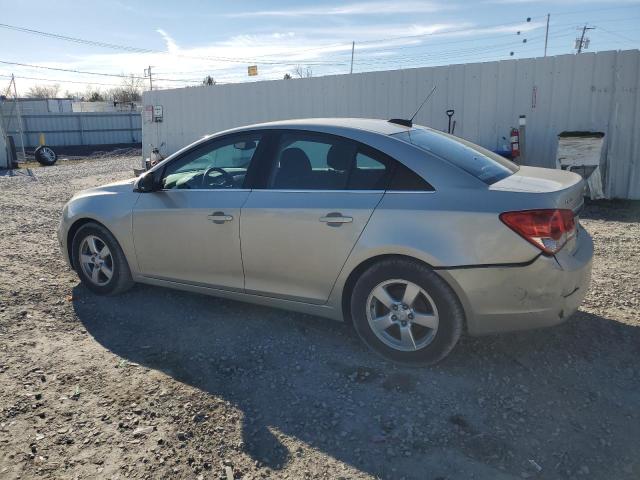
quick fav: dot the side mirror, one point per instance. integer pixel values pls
(146, 183)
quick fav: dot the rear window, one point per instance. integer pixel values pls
(479, 162)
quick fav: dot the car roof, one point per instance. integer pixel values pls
(382, 127)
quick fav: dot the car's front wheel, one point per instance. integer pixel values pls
(403, 310)
(99, 260)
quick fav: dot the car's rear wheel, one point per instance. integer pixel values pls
(403, 310)
(99, 260)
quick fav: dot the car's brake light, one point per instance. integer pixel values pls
(549, 230)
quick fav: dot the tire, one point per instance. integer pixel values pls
(89, 242)
(45, 155)
(425, 331)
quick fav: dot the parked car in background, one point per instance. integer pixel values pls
(412, 234)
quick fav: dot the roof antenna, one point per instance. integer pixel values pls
(409, 123)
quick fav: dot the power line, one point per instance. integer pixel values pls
(121, 75)
(366, 54)
(368, 51)
(63, 81)
(347, 45)
(462, 52)
(623, 37)
(582, 12)
(441, 57)
(365, 60)
(131, 49)
(562, 27)
(236, 59)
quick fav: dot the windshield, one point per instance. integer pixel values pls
(479, 162)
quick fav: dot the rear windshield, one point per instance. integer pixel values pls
(479, 162)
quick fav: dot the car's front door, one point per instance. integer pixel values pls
(298, 229)
(189, 231)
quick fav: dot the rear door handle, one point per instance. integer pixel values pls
(335, 219)
(220, 217)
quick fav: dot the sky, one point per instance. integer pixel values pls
(185, 41)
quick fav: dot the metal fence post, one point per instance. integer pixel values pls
(131, 131)
(81, 129)
(522, 134)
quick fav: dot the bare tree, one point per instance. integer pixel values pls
(43, 91)
(129, 92)
(303, 72)
(93, 95)
(209, 80)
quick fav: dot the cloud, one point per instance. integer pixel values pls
(172, 46)
(326, 49)
(375, 31)
(361, 8)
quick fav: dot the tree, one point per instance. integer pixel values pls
(287, 76)
(129, 92)
(209, 80)
(43, 91)
(95, 96)
(301, 72)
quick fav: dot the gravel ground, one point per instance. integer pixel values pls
(158, 383)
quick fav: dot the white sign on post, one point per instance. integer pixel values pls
(148, 113)
(157, 113)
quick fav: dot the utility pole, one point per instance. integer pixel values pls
(18, 117)
(546, 35)
(353, 47)
(147, 73)
(581, 43)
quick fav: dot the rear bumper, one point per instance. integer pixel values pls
(541, 294)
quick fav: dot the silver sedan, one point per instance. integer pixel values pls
(411, 234)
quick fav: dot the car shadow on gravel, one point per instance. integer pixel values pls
(310, 378)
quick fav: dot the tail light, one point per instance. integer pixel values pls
(549, 230)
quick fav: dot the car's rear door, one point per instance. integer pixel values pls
(189, 231)
(299, 225)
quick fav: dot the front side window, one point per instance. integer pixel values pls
(213, 165)
(479, 162)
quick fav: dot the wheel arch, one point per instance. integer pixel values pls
(365, 264)
(73, 229)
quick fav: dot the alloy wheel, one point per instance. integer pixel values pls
(402, 315)
(48, 153)
(96, 260)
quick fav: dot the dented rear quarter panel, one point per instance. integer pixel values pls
(541, 294)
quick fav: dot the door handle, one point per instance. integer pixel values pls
(220, 217)
(334, 219)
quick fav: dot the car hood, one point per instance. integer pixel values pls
(122, 186)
